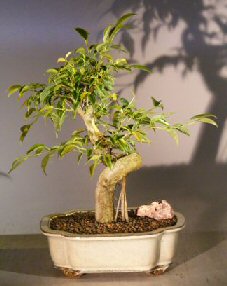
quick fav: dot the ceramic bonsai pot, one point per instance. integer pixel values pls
(150, 252)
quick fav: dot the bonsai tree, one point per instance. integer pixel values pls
(84, 85)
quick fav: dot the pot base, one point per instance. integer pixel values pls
(76, 274)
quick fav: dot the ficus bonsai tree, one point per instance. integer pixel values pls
(84, 85)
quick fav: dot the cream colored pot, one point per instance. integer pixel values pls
(150, 252)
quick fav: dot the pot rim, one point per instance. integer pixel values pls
(45, 227)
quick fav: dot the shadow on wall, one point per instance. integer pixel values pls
(201, 47)
(199, 186)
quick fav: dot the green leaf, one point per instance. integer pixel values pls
(94, 166)
(116, 118)
(67, 149)
(68, 54)
(101, 48)
(145, 120)
(107, 160)
(204, 118)
(173, 134)
(141, 137)
(123, 145)
(18, 162)
(92, 99)
(62, 119)
(45, 160)
(161, 119)
(125, 18)
(55, 119)
(89, 153)
(114, 96)
(182, 128)
(92, 169)
(106, 33)
(81, 50)
(29, 112)
(52, 71)
(157, 103)
(112, 30)
(120, 48)
(24, 131)
(14, 88)
(83, 33)
(46, 110)
(121, 62)
(37, 149)
(95, 157)
(45, 94)
(124, 102)
(79, 157)
(61, 60)
(204, 115)
(24, 89)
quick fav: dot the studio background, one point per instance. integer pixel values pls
(185, 44)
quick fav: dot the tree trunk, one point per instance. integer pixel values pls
(106, 185)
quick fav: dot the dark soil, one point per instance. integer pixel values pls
(84, 223)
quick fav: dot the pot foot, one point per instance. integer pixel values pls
(158, 270)
(70, 273)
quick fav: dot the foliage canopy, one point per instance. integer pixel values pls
(84, 84)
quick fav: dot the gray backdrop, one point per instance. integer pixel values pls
(184, 42)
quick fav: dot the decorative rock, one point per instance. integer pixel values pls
(156, 210)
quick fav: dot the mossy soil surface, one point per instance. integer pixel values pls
(84, 223)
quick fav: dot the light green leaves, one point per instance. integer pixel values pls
(61, 60)
(124, 19)
(29, 112)
(46, 94)
(204, 118)
(67, 149)
(52, 71)
(181, 128)
(18, 162)
(58, 120)
(37, 149)
(14, 88)
(112, 30)
(83, 85)
(107, 160)
(141, 136)
(45, 160)
(81, 50)
(121, 62)
(173, 133)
